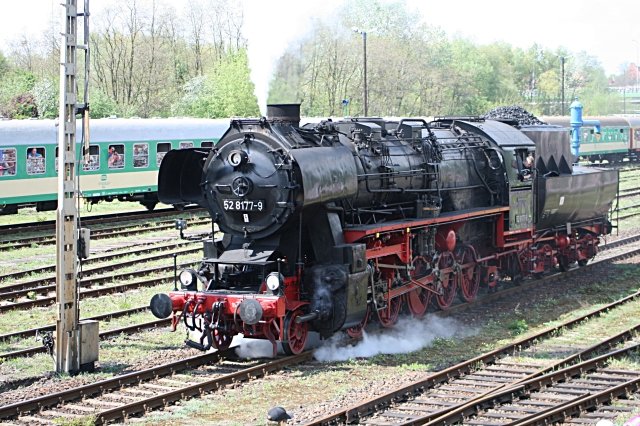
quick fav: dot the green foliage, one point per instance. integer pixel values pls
(518, 327)
(146, 61)
(45, 93)
(414, 69)
(4, 65)
(224, 92)
(22, 106)
(101, 105)
(15, 99)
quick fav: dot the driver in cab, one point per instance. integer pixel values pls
(528, 163)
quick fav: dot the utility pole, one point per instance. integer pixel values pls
(364, 56)
(76, 343)
(562, 84)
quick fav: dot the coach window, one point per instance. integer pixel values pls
(35, 160)
(93, 162)
(163, 148)
(206, 144)
(7, 162)
(115, 159)
(141, 155)
(185, 145)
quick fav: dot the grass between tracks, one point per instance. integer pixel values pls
(86, 210)
(308, 388)
(37, 256)
(112, 352)
(162, 262)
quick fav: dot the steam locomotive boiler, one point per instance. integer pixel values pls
(330, 225)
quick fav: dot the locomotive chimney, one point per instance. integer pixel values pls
(285, 112)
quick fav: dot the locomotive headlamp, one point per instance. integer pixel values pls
(274, 280)
(189, 279)
(237, 158)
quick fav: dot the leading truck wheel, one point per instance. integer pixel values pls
(356, 331)
(295, 335)
(221, 340)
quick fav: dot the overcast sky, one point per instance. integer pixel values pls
(609, 30)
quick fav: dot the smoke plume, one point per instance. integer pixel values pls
(270, 27)
(408, 335)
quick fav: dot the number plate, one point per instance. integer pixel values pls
(243, 205)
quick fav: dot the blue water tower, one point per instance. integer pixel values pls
(576, 123)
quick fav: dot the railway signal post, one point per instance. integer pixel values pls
(76, 344)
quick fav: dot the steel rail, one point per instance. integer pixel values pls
(118, 288)
(586, 403)
(96, 259)
(50, 327)
(159, 401)
(98, 235)
(156, 401)
(46, 285)
(96, 220)
(89, 390)
(107, 334)
(405, 392)
(545, 376)
(525, 387)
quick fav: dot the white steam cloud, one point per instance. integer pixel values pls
(270, 27)
(253, 348)
(407, 335)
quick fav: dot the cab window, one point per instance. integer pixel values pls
(35, 160)
(7, 161)
(140, 155)
(186, 144)
(115, 157)
(163, 148)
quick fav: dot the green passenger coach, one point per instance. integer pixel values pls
(123, 163)
(617, 141)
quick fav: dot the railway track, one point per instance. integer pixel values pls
(136, 393)
(625, 167)
(96, 220)
(629, 193)
(557, 396)
(94, 259)
(32, 332)
(122, 231)
(611, 246)
(15, 299)
(463, 390)
(92, 276)
(174, 393)
(104, 335)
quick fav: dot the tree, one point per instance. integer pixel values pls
(226, 91)
(15, 97)
(45, 94)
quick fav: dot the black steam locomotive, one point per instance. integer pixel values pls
(329, 225)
